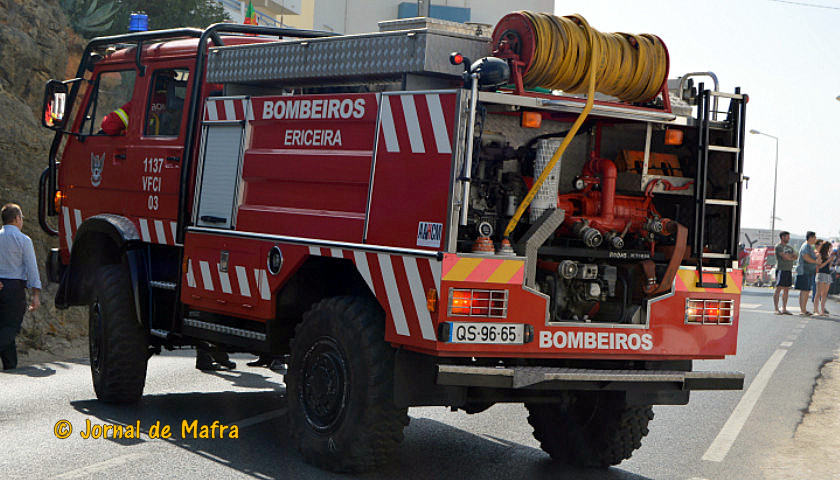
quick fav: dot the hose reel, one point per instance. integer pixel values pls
(554, 53)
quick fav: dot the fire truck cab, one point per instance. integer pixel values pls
(343, 201)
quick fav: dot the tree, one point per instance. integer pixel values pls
(169, 13)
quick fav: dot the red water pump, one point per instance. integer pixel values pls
(597, 216)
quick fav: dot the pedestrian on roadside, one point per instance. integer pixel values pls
(823, 278)
(785, 256)
(817, 246)
(805, 271)
(18, 271)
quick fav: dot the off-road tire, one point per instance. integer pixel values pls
(590, 429)
(118, 343)
(340, 387)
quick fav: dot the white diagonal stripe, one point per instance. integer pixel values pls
(314, 251)
(336, 253)
(68, 228)
(224, 280)
(190, 275)
(397, 313)
(412, 123)
(174, 227)
(246, 107)
(242, 277)
(438, 123)
(212, 114)
(364, 269)
(161, 232)
(419, 297)
(388, 129)
(78, 214)
(230, 110)
(205, 275)
(144, 230)
(265, 294)
(436, 271)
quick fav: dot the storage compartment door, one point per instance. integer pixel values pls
(220, 174)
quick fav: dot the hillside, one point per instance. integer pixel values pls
(36, 44)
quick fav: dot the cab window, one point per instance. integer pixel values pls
(165, 108)
(110, 91)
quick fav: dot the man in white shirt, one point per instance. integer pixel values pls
(18, 271)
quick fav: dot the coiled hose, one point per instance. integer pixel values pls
(631, 68)
(571, 56)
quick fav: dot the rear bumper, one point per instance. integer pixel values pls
(554, 378)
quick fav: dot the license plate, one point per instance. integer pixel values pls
(481, 332)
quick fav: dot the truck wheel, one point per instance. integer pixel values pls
(340, 387)
(590, 429)
(118, 344)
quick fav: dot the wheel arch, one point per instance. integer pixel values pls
(104, 240)
(316, 279)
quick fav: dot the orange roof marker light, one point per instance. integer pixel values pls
(674, 136)
(531, 119)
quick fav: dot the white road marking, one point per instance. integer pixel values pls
(750, 305)
(786, 344)
(729, 433)
(86, 472)
(263, 417)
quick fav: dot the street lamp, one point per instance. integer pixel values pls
(775, 178)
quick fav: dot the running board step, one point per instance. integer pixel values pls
(214, 327)
(554, 378)
(164, 334)
(162, 285)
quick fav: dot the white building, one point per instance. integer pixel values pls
(360, 16)
(269, 12)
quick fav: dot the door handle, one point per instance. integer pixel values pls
(212, 219)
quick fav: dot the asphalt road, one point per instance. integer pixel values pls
(780, 354)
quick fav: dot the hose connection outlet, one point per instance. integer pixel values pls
(591, 238)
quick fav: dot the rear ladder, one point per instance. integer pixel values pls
(734, 147)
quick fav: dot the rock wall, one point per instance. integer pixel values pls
(36, 44)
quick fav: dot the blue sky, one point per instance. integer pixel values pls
(787, 58)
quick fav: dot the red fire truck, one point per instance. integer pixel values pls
(759, 270)
(353, 202)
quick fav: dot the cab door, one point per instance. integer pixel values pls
(157, 155)
(93, 171)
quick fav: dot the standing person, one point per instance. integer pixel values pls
(18, 271)
(785, 256)
(817, 245)
(823, 278)
(805, 271)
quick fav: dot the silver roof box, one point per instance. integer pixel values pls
(417, 46)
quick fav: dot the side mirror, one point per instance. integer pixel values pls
(54, 114)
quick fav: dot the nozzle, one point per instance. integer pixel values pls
(591, 238)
